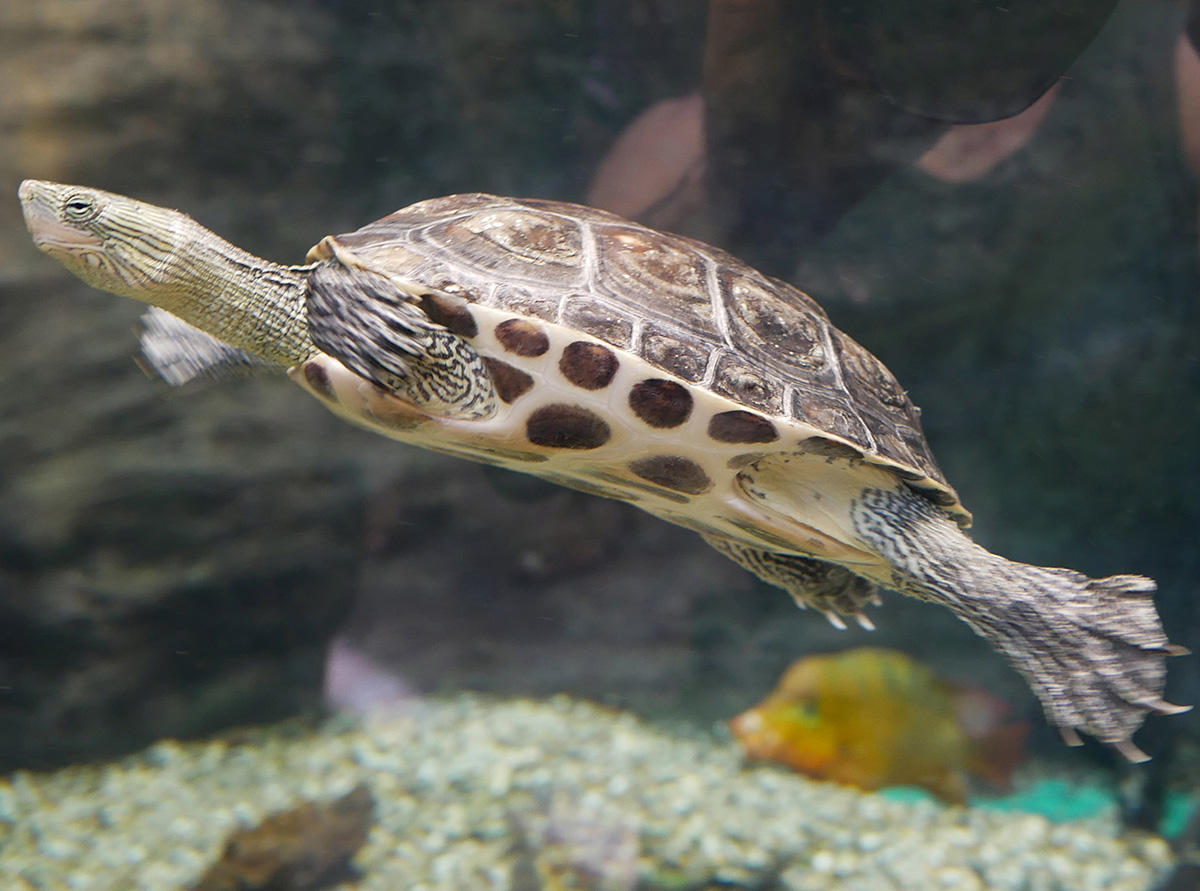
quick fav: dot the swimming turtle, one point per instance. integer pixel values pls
(591, 351)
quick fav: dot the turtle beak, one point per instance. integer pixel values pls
(39, 203)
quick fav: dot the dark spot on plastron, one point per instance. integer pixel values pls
(523, 337)
(318, 379)
(452, 315)
(561, 426)
(741, 426)
(673, 472)
(588, 365)
(510, 382)
(661, 403)
(829, 448)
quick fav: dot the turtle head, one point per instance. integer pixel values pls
(166, 258)
(114, 243)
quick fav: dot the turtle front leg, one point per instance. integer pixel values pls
(1091, 649)
(832, 590)
(374, 327)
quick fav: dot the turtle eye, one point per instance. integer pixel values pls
(79, 207)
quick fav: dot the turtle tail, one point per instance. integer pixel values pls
(1092, 649)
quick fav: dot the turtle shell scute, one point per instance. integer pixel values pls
(433, 210)
(685, 359)
(831, 415)
(867, 379)
(774, 321)
(513, 243)
(582, 314)
(656, 276)
(748, 385)
(525, 301)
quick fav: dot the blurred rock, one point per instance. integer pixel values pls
(301, 849)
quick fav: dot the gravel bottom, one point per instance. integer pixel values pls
(472, 793)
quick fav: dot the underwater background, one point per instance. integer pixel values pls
(1002, 209)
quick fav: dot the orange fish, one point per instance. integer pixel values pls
(873, 717)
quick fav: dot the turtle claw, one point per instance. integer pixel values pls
(1132, 753)
(834, 619)
(1162, 707)
(864, 622)
(1070, 736)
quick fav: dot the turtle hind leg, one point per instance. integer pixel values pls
(831, 589)
(1092, 649)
